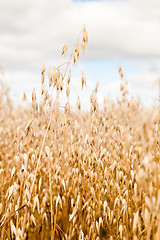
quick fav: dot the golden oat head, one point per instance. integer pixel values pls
(64, 50)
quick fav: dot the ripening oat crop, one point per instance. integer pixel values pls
(78, 175)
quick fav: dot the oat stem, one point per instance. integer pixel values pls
(44, 139)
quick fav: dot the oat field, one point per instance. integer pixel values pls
(68, 174)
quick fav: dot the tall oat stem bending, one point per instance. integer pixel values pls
(49, 122)
(44, 139)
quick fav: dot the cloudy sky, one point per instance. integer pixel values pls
(121, 32)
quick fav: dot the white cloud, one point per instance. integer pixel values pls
(143, 85)
(34, 31)
(37, 29)
(28, 80)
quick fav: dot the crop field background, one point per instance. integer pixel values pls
(70, 174)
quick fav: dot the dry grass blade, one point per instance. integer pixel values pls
(3, 224)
